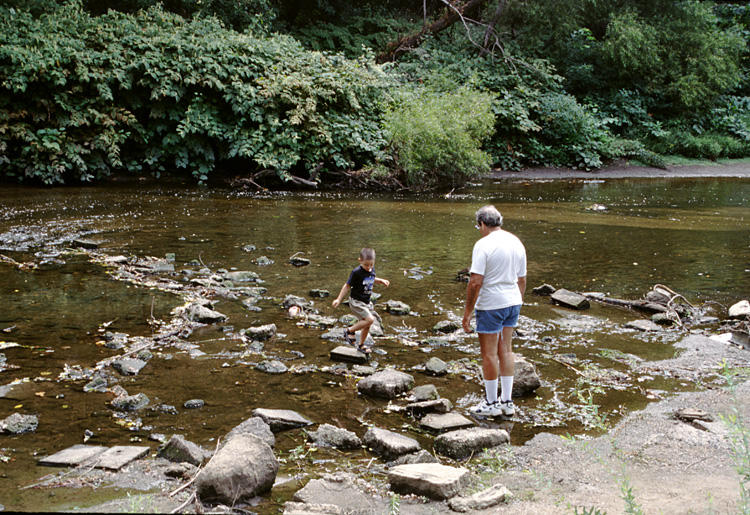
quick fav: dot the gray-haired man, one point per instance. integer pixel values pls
(495, 291)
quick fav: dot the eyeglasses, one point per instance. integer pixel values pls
(476, 226)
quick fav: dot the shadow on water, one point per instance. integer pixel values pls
(620, 237)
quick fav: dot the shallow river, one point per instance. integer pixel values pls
(690, 235)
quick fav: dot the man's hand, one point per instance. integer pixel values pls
(466, 323)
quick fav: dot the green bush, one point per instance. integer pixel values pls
(81, 96)
(437, 137)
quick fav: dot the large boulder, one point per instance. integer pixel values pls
(241, 470)
(388, 384)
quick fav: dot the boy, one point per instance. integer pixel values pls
(359, 285)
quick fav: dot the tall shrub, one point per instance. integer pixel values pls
(437, 138)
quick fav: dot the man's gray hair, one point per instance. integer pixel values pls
(489, 216)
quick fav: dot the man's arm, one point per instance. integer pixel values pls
(472, 293)
(522, 285)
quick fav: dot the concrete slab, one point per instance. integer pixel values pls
(440, 423)
(73, 456)
(111, 458)
(120, 455)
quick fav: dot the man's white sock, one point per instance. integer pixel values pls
(490, 390)
(506, 383)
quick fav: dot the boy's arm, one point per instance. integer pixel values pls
(384, 282)
(344, 290)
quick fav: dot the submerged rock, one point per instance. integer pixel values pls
(261, 333)
(128, 366)
(447, 326)
(130, 402)
(17, 424)
(395, 307)
(272, 367)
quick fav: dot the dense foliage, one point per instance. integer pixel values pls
(292, 87)
(81, 96)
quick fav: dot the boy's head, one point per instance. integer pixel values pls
(367, 258)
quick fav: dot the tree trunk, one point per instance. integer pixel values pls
(396, 49)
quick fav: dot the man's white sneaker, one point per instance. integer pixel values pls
(508, 408)
(487, 409)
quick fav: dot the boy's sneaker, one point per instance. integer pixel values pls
(508, 408)
(487, 409)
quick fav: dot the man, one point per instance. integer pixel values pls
(496, 288)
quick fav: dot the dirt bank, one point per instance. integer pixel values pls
(625, 170)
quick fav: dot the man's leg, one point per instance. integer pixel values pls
(489, 345)
(506, 363)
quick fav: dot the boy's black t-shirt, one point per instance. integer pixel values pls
(361, 282)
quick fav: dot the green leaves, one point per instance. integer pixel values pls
(437, 137)
(83, 95)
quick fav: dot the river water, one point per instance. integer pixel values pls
(620, 237)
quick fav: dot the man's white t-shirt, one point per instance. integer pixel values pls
(501, 258)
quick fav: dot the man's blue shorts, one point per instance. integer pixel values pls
(493, 321)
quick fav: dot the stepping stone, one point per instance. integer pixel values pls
(432, 480)
(348, 355)
(440, 423)
(73, 456)
(424, 407)
(281, 419)
(120, 455)
(111, 458)
(570, 299)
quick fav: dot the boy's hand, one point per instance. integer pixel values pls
(336, 303)
(386, 282)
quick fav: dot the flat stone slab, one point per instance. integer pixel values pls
(118, 456)
(281, 419)
(432, 480)
(348, 355)
(434, 406)
(388, 444)
(111, 458)
(643, 325)
(73, 456)
(570, 299)
(440, 423)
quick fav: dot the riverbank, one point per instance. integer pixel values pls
(626, 170)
